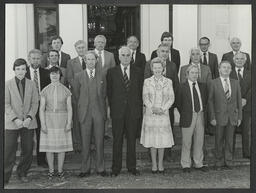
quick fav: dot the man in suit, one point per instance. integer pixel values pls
(21, 105)
(138, 60)
(124, 90)
(53, 58)
(174, 55)
(74, 66)
(41, 78)
(171, 73)
(244, 78)
(106, 61)
(204, 71)
(225, 111)
(56, 44)
(208, 58)
(90, 94)
(236, 44)
(191, 103)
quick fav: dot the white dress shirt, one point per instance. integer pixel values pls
(192, 96)
(223, 84)
(170, 55)
(127, 70)
(89, 72)
(59, 58)
(102, 56)
(32, 76)
(81, 60)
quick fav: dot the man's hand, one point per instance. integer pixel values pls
(19, 123)
(238, 122)
(243, 102)
(213, 122)
(26, 122)
(77, 147)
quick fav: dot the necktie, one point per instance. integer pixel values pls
(100, 59)
(196, 99)
(126, 80)
(36, 79)
(239, 73)
(205, 60)
(226, 89)
(21, 90)
(91, 74)
(83, 64)
(132, 60)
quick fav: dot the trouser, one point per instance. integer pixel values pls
(10, 148)
(92, 124)
(76, 130)
(167, 151)
(40, 156)
(224, 144)
(245, 128)
(126, 125)
(194, 133)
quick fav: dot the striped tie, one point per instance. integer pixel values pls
(227, 91)
(126, 80)
(36, 80)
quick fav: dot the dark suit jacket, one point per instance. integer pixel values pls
(246, 87)
(213, 64)
(184, 102)
(64, 59)
(171, 73)
(81, 89)
(74, 66)
(140, 61)
(119, 99)
(44, 77)
(229, 57)
(220, 108)
(175, 54)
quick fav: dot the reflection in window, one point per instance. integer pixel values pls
(46, 26)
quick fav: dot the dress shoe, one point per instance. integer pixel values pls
(44, 165)
(114, 174)
(84, 174)
(154, 171)
(23, 179)
(186, 170)
(103, 174)
(247, 156)
(161, 171)
(203, 169)
(134, 172)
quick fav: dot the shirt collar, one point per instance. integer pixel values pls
(234, 53)
(18, 80)
(207, 53)
(128, 67)
(191, 83)
(97, 51)
(242, 69)
(222, 78)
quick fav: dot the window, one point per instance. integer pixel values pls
(116, 23)
(46, 25)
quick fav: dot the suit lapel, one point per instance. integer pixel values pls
(232, 85)
(221, 86)
(98, 81)
(188, 93)
(86, 79)
(16, 90)
(120, 74)
(27, 92)
(78, 64)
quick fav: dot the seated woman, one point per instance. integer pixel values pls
(56, 117)
(158, 97)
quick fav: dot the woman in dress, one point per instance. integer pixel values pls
(56, 117)
(158, 97)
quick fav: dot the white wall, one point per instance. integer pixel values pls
(222, 22)
(154, 21)
(185, 27)
(71, 26)
(19, 34)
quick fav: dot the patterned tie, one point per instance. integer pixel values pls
(83, 64)
(36, 80)
(100, 59)
(239, 73)
(132, 60)
(21, 90)
(91, 74)
(126, 79)
(196, 99)
(205, 60)
(226, 89)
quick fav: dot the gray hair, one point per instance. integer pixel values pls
(100, 36)
(123, 48)
(239, 53)
(34, 51)
(156, 60)
(224, 62)
(235, 38)
(190, 67)
(193, 49)
(79, 42)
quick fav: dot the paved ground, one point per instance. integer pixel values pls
(238, 177)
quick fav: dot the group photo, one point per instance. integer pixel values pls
(127, 96)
